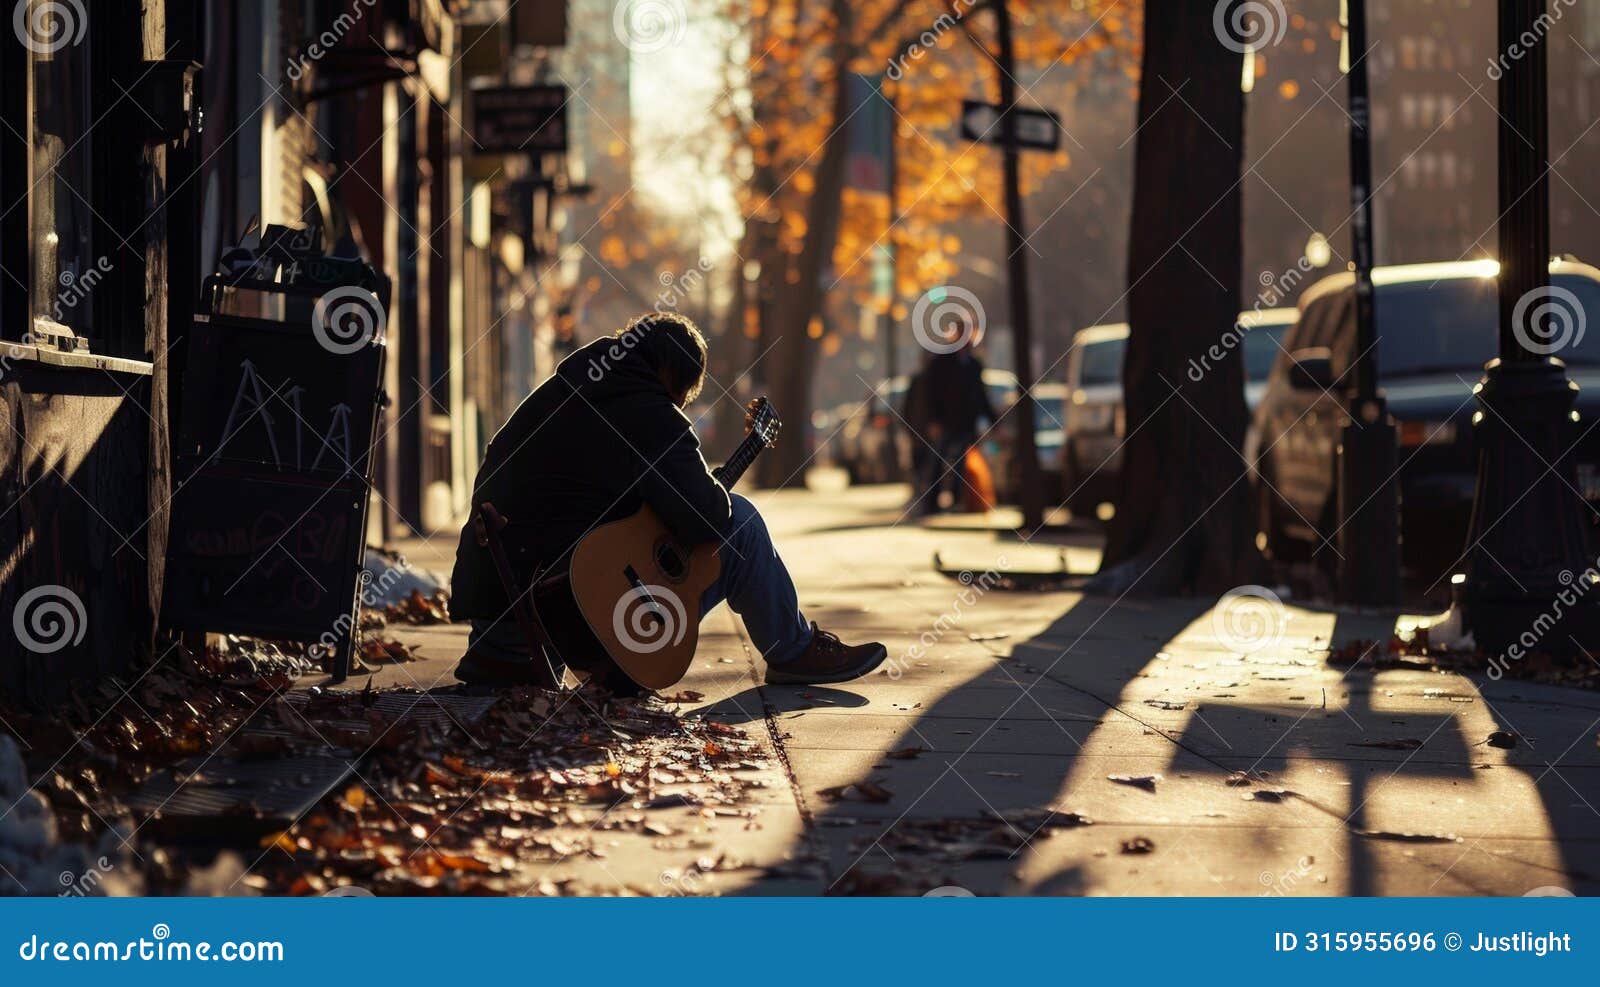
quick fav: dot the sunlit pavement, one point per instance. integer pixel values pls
(1048, 743)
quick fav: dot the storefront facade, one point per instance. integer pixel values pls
(141, 142)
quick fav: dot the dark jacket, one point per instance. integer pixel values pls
(589, 445)
(949, 392)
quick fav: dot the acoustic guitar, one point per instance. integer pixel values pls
(638, 587)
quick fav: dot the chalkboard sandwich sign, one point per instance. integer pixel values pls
(273, 455)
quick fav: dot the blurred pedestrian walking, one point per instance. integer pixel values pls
(944, 403)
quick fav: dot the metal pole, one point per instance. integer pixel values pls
(1027, 454)
(1355, 49)
(891, 449)
(1368, 539)
(1524, 143)
(891, 94)
(1527, 548)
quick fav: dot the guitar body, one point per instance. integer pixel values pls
(638, 590)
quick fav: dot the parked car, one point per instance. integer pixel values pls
(874, 445)
(1092, 454)
(1436, 329)
(1050, 434)
(999, 443)
(1263, 341)
(1094, 424)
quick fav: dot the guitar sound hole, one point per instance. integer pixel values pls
(670, 561)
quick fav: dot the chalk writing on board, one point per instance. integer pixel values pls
(338, 428)
(251, 405)
(249, 399)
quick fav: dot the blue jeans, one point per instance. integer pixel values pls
(756, 585)
(754, 582)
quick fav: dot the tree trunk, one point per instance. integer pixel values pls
(1183, 522)
(746, 369)
(799, 293)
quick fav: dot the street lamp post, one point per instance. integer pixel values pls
(1527, 543)
(1368, 538)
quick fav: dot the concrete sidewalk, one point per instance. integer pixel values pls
(1051, 743)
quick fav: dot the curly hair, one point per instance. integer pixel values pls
(672, 343)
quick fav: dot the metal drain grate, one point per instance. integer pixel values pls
(202, 798)
(422, 707)
(265, 792)
(393, 708)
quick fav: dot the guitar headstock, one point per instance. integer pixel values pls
(761, 421)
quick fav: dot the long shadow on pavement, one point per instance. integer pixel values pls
(1410, 797)
(957, 785)
(1123, 749)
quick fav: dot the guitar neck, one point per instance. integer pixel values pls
(741, 459)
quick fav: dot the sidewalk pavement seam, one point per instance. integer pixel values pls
(769, 716)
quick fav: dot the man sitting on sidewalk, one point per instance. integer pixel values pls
(604, 434)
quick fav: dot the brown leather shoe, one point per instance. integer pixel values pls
(828, 659)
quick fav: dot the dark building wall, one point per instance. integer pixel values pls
(77, 532)
(85, 480)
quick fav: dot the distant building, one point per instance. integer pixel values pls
(1434, 135)
(1574, 135)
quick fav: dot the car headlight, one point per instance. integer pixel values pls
(1413, 434)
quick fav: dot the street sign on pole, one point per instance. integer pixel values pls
(1034, 130)
(868, 134)
(1013, 123)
